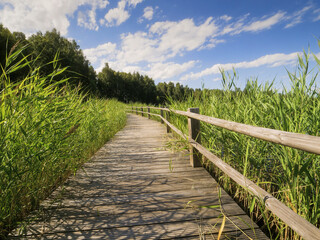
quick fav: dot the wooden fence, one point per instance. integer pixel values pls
(295, 140)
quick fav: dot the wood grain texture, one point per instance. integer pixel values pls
(133, 188)
(194, 133)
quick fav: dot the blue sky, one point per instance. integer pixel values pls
(184, 41)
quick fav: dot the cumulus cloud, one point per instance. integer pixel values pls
(103, 50)
(120, 14)
(148, 13)
(116, 16)
(164, 40)
(270, 60)
(87, 18)
(30, 16)
(162, 71)
(226, 18)
(134, 3)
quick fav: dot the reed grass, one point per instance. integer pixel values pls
(46, 133)
(291, 175)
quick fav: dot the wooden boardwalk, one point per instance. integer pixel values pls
(130, 191)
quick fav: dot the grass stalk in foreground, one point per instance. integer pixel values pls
(291, 175)
(46, 133)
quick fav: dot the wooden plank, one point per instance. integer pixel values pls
(125, 198)
(111, 220)
(91, 191)
(156, 231)
(72, 211)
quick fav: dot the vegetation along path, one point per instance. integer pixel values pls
(135, 189)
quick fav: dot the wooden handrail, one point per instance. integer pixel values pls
(299, 141)
(301, 226)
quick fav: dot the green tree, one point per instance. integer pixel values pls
(80, 72)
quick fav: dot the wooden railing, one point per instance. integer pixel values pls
(295, 140)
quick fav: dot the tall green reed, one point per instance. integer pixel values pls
(293, 176)
(46, 133)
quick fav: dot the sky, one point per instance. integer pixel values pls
(185, 41)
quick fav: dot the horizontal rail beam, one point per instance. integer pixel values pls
(299, 141)
(157, 108)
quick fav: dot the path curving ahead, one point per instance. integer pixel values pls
(135, 189)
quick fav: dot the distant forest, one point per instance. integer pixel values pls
(51, 51)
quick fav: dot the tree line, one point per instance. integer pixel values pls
(50, 51)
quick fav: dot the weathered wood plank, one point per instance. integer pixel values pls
(94, 189)
(134, 207)
(183, 229)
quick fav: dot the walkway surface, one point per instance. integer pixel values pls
(135, 189)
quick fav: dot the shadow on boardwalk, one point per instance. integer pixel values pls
(128, 191)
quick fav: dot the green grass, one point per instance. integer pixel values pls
(293, 176)
(46, 133)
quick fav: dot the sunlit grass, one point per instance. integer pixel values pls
(46, 133)
(291, 175)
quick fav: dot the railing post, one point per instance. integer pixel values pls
(194, 133)
(168, 119)
(137, 110)
(142, 111)
(149, 112)
(161, 113)
(132, 108)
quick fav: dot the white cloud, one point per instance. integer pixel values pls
(265, 23)
(30, 16)
(139, 47)
(134, 3)
(242, 25)
(271, 60)
(179, 37)
(103, 50)
(118, 15)
(87, 19)
(226, 18)
(296, 17)
(165, 40)
(233, 28)
(317, 13)
(212, 43)
(162, 71)
(148, 13)
(119, 66)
